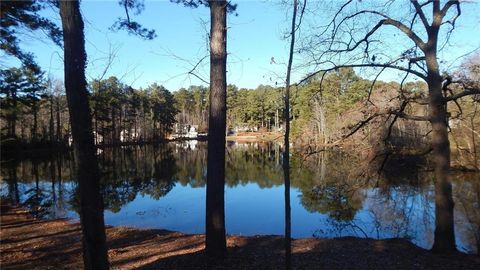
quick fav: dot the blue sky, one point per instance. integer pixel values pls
(254, 37)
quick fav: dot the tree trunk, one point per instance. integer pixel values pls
(35, 121)
(114, 135)
(444, 232)
(59, 130)
(13, 123)
(474, 143)
(88, 176)
(51, 125)
(286, 154)
(215, 212)
(444, 240)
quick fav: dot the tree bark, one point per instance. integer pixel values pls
(114, 128)
(444, 237)
(286, 153)
(444, 240)
(51, 126)
(88, 176)
(35, 120)
(215, 205)
(59, 131)
(13, 118)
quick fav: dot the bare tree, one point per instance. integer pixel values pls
(347, 42)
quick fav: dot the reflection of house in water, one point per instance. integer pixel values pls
(186, 145)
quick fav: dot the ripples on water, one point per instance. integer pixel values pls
(164, 187)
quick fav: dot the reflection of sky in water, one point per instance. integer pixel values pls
(400, 211)
(251, 210)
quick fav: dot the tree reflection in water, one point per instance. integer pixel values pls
(330, 190)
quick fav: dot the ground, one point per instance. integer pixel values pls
(28, 243)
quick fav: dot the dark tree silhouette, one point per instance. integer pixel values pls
(216, 246)
(88, 176)
(215, 213)
(286, 153)
(16, 15)
(12, 83)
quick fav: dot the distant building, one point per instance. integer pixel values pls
(186, 131)
(129, 135)
(192, 132)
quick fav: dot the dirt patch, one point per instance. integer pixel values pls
(28, 243)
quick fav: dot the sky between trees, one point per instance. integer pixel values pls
(255, 36)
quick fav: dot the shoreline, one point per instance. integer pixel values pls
(27, 242)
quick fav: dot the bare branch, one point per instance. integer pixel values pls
(467, 92)
(192, 71)
(416, 73)
(373, 84)
(361, 124)
(386, 21)
(420, 13)
(410, 117)
(447, 6)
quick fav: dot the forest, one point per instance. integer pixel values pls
(370, 121)
(35, 113)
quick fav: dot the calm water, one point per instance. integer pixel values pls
(164, 187)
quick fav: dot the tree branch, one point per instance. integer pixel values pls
(386, 21)
(420, 13)
(467, 92)
(416, 73)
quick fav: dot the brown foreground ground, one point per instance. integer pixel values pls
(28, 243)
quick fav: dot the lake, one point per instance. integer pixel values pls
(163, 187)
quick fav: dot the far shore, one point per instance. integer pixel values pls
(256, 136)
(29, 243)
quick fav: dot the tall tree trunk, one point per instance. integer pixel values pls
(13, 123)
(95, 127)
(120, 123)
(88, 176)
(35, 121)
(135, 136)
(286, 153)
(51, 125)
(59, 130)
(444, 240)
(474, 143)
(114, 135)
(215, 212)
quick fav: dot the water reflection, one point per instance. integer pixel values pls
(163, 187)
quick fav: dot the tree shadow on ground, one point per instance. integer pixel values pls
(56, 244)
(341, 253)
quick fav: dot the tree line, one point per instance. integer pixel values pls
(34, 108)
